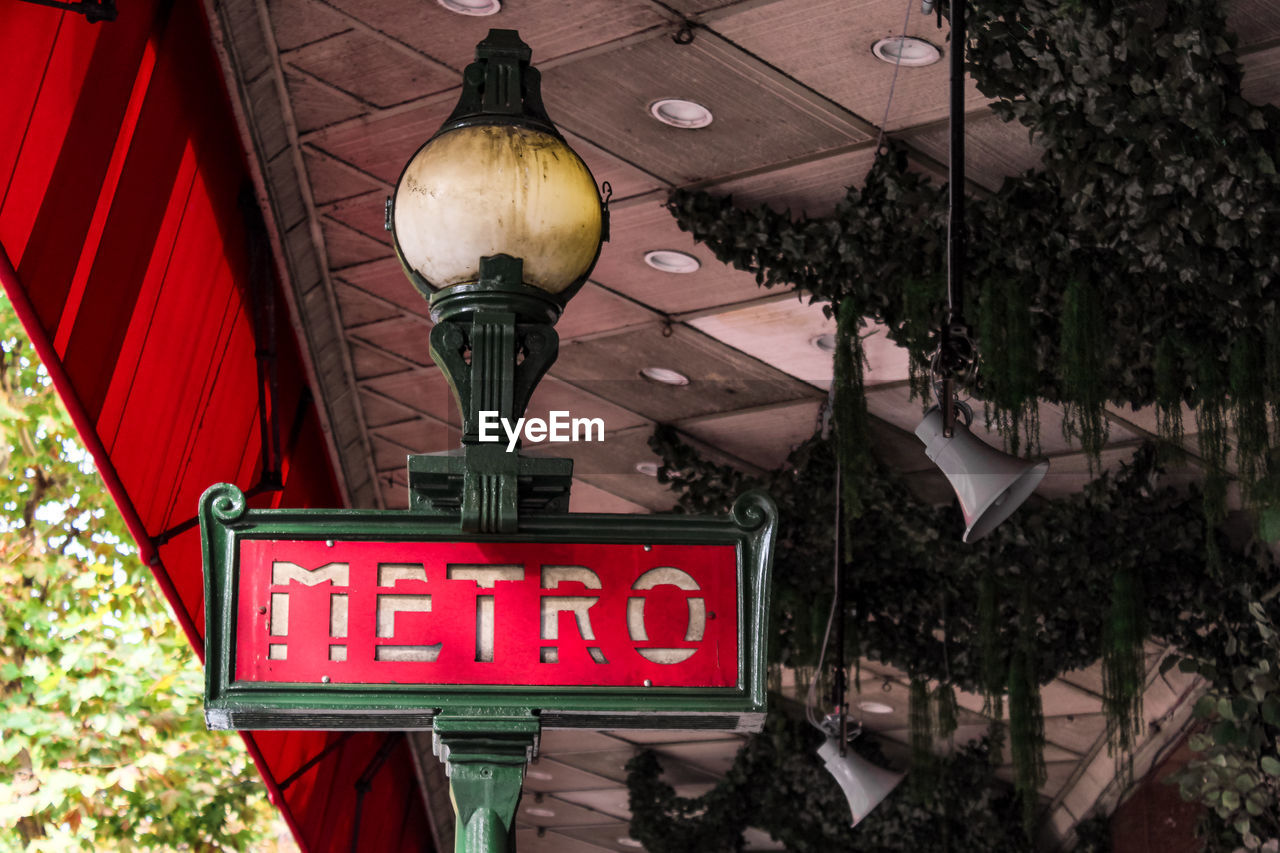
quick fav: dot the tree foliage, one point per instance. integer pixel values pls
(1236, 769)
(104, 745)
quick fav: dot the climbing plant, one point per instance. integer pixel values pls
(1044, 580)
(1134, 266)
(1236, 770)
(778, 785)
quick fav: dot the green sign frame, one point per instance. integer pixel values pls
(226, 520)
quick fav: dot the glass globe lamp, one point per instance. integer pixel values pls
(498, 179)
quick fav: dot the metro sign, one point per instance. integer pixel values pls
(373, 619)
(487, 613)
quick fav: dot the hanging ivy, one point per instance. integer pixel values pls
(1136, 265)
(777, 784)
(1124, 669)
(920, 735)
(853, 439)
(1053, 582)
(1009, 357)
(1138, 261)
(1083, 381)
(1026, 713)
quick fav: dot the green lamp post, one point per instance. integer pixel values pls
(498, 222)
(486, 610)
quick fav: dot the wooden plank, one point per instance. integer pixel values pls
(760, 116)
(837, 60)
(720, 379)
(300, 22)
(316, 105)
(286, 193)
(640, 228)
(551, 27)
(361, 64)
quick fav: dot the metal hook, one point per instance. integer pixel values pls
(606, 192)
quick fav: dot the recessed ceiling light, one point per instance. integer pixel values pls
(538, 774)
(628, 841)
(906, 50)
(664, 376)
(649, 469)
(476, 8)
(875, 707)
(826, 343)
(677, 112)
(670, 260)
(538, 811)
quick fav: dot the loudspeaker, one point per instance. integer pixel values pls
(990, 484)
(864, 784)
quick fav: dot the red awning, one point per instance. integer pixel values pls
(129, 260)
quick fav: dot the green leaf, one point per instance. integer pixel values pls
(1225, 734)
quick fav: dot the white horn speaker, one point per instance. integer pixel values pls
(990, 484)
(864, 784)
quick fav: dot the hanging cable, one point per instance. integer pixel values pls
(953, 361)
(839, 688)
(364, 783)
(313, 761)
(893, 84)
(811, 697)
(93, 10)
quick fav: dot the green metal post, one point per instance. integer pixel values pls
(485, 754)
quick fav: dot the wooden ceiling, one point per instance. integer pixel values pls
(334, 96)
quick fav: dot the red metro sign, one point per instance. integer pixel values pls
(510, 613)
(368, 619)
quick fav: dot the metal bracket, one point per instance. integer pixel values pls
(93, 10)
(488, 487)
(493, 345)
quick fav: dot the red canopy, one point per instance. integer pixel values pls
(129, 260)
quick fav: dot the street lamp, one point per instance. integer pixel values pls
(498, 222)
